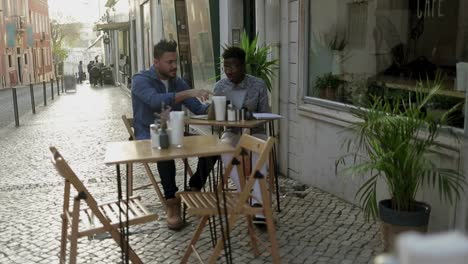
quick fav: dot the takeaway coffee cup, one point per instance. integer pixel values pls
(219, 103)
(177, 126)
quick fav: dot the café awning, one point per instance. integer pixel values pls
(112, 26)
(96, 41)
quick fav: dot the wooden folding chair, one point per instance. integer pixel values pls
(208, 204)
(95, 218)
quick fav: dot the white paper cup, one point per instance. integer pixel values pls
(177, 128)
(446, 247)
(219, 103)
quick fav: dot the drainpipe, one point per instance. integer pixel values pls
(466, 114)
(271, 36)
(462, 208)
(260, 21)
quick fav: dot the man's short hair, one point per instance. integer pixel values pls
(234, 52)
(164, 46)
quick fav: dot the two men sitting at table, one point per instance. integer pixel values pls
(160, 84)
(150, 89)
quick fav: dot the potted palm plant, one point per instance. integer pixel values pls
(392, 142)
(256, 59)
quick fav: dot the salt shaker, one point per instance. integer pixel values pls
(231, 113)
(242, 114)
(154, 136)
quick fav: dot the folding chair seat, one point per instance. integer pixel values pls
(235, 204)
(94, 218)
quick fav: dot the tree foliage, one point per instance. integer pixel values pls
(63, 36)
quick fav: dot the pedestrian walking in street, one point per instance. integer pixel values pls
(150, 90)
(80, 72)
(89, 67)
(96, 75)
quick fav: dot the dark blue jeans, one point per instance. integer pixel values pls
(167, 173)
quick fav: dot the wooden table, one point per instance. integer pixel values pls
(141, 151)
(136, 151)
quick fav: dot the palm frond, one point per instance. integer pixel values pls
(395, 138)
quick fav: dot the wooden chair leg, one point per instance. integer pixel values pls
(63, 240)
(271, 175)
(194, 240)
(74, 230)
(155, 185)
(251, 230)
(130, 179)
(274, 250)
(220, 244)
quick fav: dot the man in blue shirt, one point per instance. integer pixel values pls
(150, 89)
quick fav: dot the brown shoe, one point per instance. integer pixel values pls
(174, 221)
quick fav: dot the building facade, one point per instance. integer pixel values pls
(387, 43)
(26, 50)
(379, 37)
(42, 62)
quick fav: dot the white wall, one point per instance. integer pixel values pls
(229, 19)
(311, 135)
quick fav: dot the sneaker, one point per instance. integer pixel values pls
(258, 220)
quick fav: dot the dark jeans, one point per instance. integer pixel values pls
(167, 173)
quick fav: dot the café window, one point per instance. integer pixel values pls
(360, 48)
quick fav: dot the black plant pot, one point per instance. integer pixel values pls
(396, 222)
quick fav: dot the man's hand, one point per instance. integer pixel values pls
(201, 94)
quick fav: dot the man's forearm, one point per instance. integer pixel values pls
(181, 96)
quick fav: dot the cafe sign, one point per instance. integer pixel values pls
(430, 8)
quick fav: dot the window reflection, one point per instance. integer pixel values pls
(201, 44)
(359, 48)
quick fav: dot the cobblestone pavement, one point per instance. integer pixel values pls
(314, 226)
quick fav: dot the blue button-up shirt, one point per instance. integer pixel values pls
(149, 92)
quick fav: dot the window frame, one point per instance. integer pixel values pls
(304, 63)
(303, 69)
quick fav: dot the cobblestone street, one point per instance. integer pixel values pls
(313, 227)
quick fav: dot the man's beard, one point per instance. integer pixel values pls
(166, 75)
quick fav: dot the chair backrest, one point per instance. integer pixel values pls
(66, 172)
(128, 122)
(248, 144)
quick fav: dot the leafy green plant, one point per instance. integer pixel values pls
(256, 59)
(326, 81)
(392, 141)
